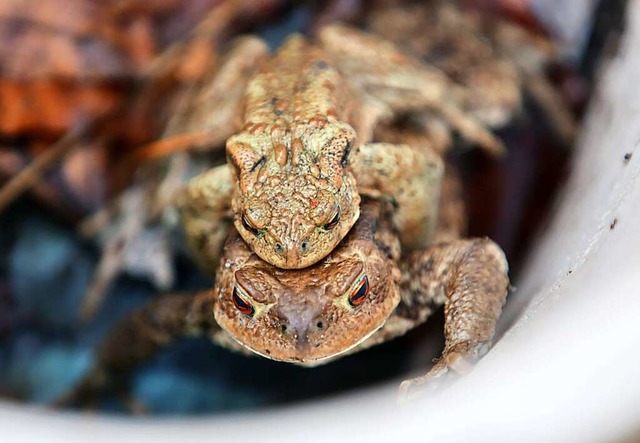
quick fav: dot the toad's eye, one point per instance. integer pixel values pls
(242, 303)
(345, 154)
(360, 293)
(249, 227)
(334, 220)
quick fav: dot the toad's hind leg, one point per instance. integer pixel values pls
(408, 175)
(212, 110)
(470, 278)
(136, 338)
(382, 72)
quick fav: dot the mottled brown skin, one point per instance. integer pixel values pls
(304, 316)
(290, 160)
(303, 156)
(408, 174)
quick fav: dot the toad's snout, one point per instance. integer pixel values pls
(303, 324)
(292, 257)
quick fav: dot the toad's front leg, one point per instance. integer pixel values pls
(205, 206)
(410, 176)
(470, 278)
(137, 338)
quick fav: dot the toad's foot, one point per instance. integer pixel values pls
(471, 275)
(458, 360)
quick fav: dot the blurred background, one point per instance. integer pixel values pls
(86, 87)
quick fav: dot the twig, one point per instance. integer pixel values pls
(211, 26)
(30, 175)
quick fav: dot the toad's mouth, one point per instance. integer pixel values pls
(306, 354)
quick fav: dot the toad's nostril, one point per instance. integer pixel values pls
(318, 324)
(279, 248)
(304, 246)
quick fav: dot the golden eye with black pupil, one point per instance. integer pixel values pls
(333, 221)
(249, 227)
(360, 293)
(242, 304)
